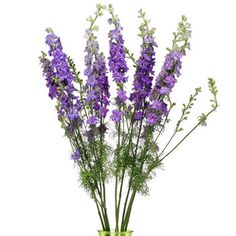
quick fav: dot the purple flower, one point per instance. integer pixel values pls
(116, 115)
(129, 110)
(138, 115)
(48, 72)
(121, 95)
(159, 106)
(102, 111)
(76, 155)
(92, 120)
(72, 115)
(170, 81)
(152, 118)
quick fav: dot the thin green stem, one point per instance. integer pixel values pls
(180, 142)
(129, 210)
(131, 56)
(120, 193)
(116, 184)
(171, 138)
(124, 208)
(123, 171)
(103, 208)
(130, 181)
(73, 145)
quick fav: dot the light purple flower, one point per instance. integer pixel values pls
(92, 120)
(116, 115)
(76, 155)
(121, 95)
(138, 115)
(159, 106)
(152, 118)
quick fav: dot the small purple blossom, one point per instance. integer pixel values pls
(121, 95)
(152, 118)
(138, 115)
(103, 112)
(159, 106)
(72, 115)
(76, 155)
(92, 120)
(116, 115)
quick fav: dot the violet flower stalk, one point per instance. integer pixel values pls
(97, 86)
(166, 79)
(144, 68)
(60, 80)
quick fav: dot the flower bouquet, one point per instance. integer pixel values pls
(90, 116)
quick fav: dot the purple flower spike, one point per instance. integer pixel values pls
(97, 86)
(166, 80)
(117, 62)
(60, 81)
(144, 74)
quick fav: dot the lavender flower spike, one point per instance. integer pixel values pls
(117, 62)
(143, 77)
(97, 81)
(166, 79)
(60, 79)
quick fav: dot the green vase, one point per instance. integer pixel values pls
(113, 233)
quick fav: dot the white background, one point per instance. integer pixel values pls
(39, 194)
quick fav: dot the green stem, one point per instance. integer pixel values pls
(131, 56)
(179, 142)
(119, 199)
(116, 204)
(123, 172)
(73, 145)
(103, 207)
(116, 184)
(99, 213)
(131, 177)
(124, 209)
(102, 178)
(199, 123)
(129, 210)
(171, 138)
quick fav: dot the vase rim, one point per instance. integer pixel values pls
(113, 231)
